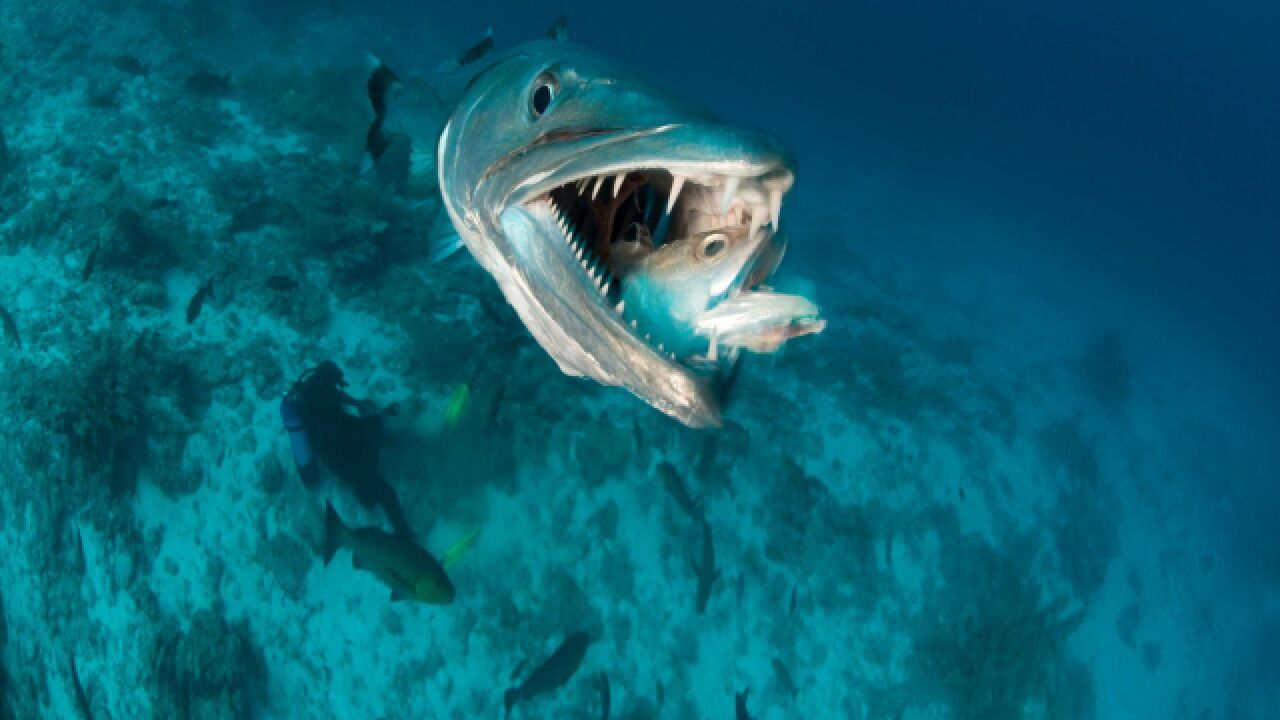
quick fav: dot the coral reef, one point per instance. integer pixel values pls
(990, 645)
(211, 671)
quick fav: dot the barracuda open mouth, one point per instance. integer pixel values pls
(613, 223)
(614, 216)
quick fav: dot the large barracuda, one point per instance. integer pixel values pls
(613, 214)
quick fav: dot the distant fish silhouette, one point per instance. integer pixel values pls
(552, 674)
(89, 263)
(740, 705)
(208, 84)
(707, 571)
(603, 684)
(282, 283)
(197, 301)
(129, 65)
(470, 55)
(10, 328)
(82, 700)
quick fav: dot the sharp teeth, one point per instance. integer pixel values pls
(775, 207)
(633, 324)
(757, 221)
(595, 189)
(676, 184)
(622, 304)
(661, 348)
(730, 189)
(617, 183)
(582, 185)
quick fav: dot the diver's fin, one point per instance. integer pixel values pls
(440, 248)
(459, 549)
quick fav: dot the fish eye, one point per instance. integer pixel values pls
(545, 88)
(712, 245)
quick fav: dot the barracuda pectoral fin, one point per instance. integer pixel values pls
(441, 248)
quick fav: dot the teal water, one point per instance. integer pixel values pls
(1028, 469)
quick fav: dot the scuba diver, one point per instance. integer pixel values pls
(325, 423)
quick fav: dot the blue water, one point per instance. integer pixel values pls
(1028, 470)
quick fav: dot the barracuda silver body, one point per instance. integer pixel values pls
(565, 174)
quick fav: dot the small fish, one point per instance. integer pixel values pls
(552, 674)
(89, 263)
(675, 486)
(457, 407)
(208, 84)
(161, 202)
(559, 29)
(84, 565)
(282, 283)
(10, 328)
(603, 684)
(707, 573)
(382, 81)
(495, 402)
(661, 693)
(635, 431)
(129, 65)
(477, 51)
(740, 705)
(961, 492)
(197, 301)
(104, 100)
(82, 700)
(784, 678)
(409, 570)
(470, 55)
(791, 608)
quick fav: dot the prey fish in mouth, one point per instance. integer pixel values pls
(617, 218)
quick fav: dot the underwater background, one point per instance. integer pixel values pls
(1028, 470)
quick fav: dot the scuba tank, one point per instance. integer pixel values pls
(302, 456)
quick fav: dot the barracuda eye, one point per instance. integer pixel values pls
(712, 245)
(545, 88)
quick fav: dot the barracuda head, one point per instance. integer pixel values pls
(612, 215)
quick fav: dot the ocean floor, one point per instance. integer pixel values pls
(977, 494)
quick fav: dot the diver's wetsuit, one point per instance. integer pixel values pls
(346, 434)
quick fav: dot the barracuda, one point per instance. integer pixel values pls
(567, 176)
